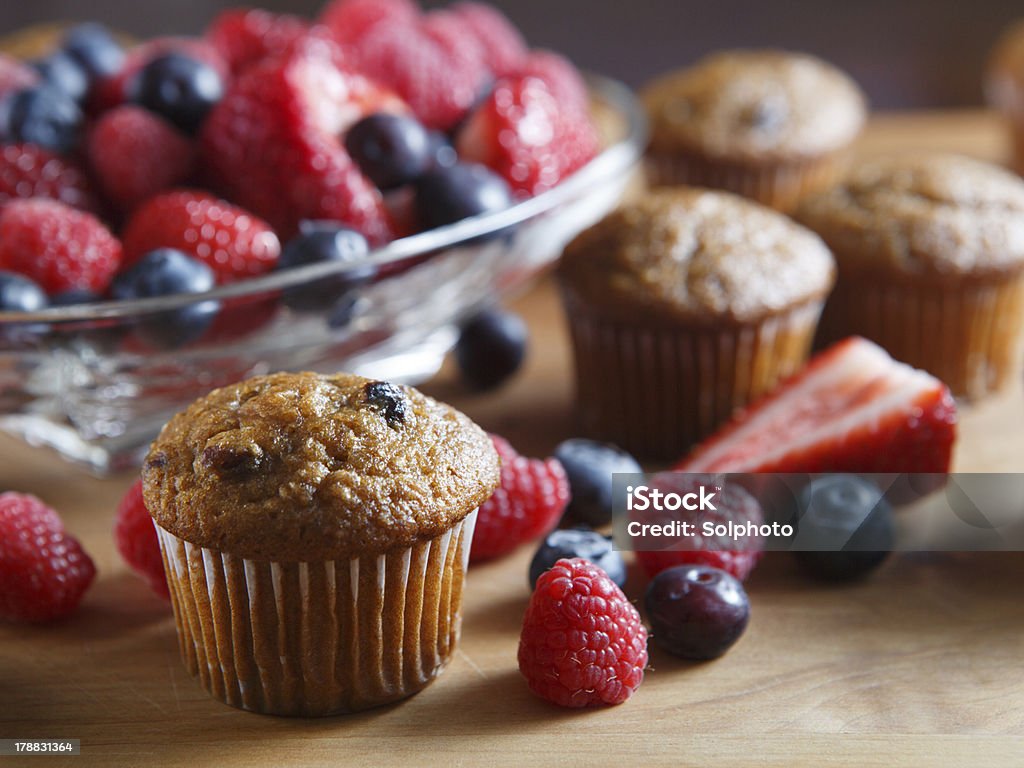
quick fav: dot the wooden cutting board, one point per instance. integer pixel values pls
(922, 665)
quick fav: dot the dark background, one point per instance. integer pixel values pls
(909, 53)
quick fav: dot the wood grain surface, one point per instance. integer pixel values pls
(921, 665)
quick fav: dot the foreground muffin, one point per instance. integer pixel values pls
(1004, 86)
(683, 306)
(315, 532)
(930, 252)
(769, 125)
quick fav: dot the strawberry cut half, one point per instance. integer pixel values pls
(852, 409)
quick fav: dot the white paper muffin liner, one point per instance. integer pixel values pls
(657, 391)
(318, 638)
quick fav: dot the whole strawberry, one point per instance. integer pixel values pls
(231, 241)
(57, 246)
(136, 540)
(583, 644)
(43, 570)
(528, 503)
(28, 170)
(134, 155)
(246, 36)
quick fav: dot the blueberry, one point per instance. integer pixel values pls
(696, 612)
(578, 542)
(95, 50)
(442, 153)
(165, 272)
(845, 528)
(590, 466)
(179, 88)
(491, 348)
(41, 115)
(389, 399)
(446, 195)
(391, 150)
(73, 297)
(19, 294)
(64, 73)
(318, 242)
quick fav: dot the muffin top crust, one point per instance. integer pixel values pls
(755, 106)
(296, 467)
(923, 214)
(695, 256)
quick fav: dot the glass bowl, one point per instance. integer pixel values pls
(84, 381)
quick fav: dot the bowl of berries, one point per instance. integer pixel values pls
(277, 194)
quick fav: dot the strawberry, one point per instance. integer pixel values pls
(230, 240)
(503, 45)
(246, 36)
(351, 20)
(57, 246)
(134, 155)
(15, 75)
(28, 170)
(273, 143)
(522, 132)
(852, 409)
(561, 77)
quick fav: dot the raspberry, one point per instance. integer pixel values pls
(57, 246)
(231, 241)
(15, 75)
(28, 170)
(246, 36)
(503, 45)
(134, 155)
(136, 540)
(351, 20)
(522, 133)
(732, 503)
(43, 570)
(583, 644)
(273, 143)
(435, 66)
(528, 503)
(562, 78)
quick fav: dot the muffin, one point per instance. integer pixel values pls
(769, 125)
(1004, 86)
(684, 305)
(930, 253)
(315, 533)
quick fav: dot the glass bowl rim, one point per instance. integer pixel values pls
(616, 157)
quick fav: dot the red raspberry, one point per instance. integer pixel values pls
(15, 75)
(113, 91)
(435, 66)
(134, 155)
(583, 644)
(273, 143)
(502, 43)
(28, 170)
(733, 503)
(562, 78)
(246, 36)
(524, 134)
(351, 20)
(528, 503)
(231, 241)
(136, 540)
(43, 570)
(57, 246)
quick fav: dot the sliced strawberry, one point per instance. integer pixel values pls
(273, 143)
(522, 132)
(28, 170)
(351, 20)
(234, 243)
(134, 155)
(503, 45)
(246, 36)
(852, 409)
